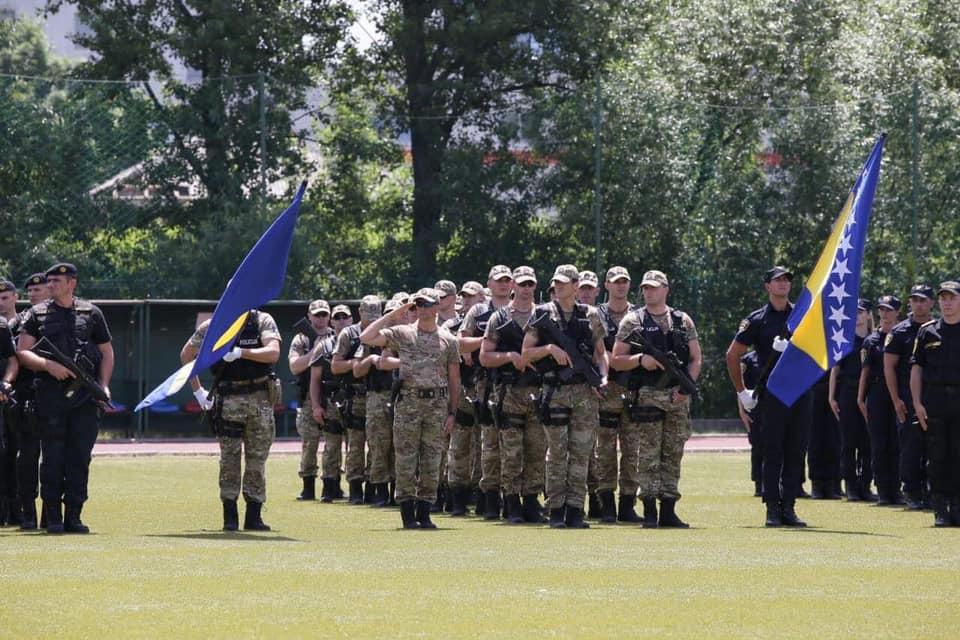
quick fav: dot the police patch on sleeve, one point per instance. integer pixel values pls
(889, 339)
(744, 325)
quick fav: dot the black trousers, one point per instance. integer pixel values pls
(66, 441)
(884, 440)
(855, 463)
(823, 452)
(943, 440)
(913, 451)
(9, 443)
(755, 438)
(785, 432)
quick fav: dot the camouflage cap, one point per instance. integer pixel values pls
(589, 279)
(617, 273)
(566, 273)
(889, 302)
(487, 292)
(950, 286)
(341, 308)
(390, 306)
(370, 307)
(6, 285)
(446, 288)
(62, 269)
(654, 278)
(319, 306)
(921, 291)
(35, 279)
(401, 296)
(499, 271)
(524, 274)
(471, 288)
(427, 294)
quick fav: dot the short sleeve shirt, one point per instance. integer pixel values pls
(900, 342)
(634, 320)
(99, 332)
(266, 324)
(347, 338)
(425, 357)
(759, 329)
(6, 341)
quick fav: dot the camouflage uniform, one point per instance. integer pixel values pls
(334, 436)
(614, 425)
(379, 426)
(252, 413)
(418, 419)
(348, 344)
(461, 470)
(307, 427)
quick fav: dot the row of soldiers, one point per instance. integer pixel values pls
(450, 398)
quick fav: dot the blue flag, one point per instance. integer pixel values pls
(824, 320)
(258, 280)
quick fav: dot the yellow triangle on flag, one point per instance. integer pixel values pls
(232, 332)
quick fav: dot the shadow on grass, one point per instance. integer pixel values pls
(821, 530)
(224, 536)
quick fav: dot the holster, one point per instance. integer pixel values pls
(274, 390)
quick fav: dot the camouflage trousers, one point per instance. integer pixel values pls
(616, 428)
(463, 456)
(663, 434)
(355, 426)
(417, 440)
(309, 432)
(570, 438)
(489, 449)
(334, 439)
(255, 412)
(379, 437)
(523, 444)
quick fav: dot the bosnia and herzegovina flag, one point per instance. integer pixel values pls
(824, 319)
(258, 280)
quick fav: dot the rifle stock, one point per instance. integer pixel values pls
(671, 365)
(81, 378)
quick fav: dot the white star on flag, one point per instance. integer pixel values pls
(837, 315)
(838, 292)
(837, 356)
(844, 244)
(838, 338)
(840, 268)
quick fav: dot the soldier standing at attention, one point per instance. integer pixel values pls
(243, 413)
(298, 358)
(935, 389)
(430, 374)
(785, 428)
(10, 509)
(446, 313)
(665, 410)
(68, 426)
(587, 293)
(571, 405)
(896, 372)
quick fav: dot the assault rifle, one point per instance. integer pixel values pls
(303, 326)
(581, 362)
(670, 363)
(81, 378)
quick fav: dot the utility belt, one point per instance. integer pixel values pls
(552, 379)
(240, 387)
(517, 379)
(425, 393)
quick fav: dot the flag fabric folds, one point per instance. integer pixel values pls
(258, 280)
(824, 319)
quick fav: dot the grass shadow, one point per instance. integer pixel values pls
(231, 536)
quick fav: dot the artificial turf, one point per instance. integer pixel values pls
(157, 565)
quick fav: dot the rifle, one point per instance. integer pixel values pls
(670, 363)
(81, 379)
(303, 326)
(580, 362)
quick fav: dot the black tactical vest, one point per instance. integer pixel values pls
(376, 379)
(942, 367)
(70, 330)
(353, 334)
(676, 340)
(577, 326)
(303, 380)
(241, 368)
(609, 326)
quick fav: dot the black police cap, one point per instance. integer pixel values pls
(6, 285)
(864, 304)
(776, 272)
(35, 279)
(888, 302)
(62, 269)
(922, 291)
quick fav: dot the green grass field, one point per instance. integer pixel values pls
(158, 566)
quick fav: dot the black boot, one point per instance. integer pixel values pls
(29, 522)
(574, 518)
(369, 493)
(481, 503)
(309, 488)
(866, 494)
(594, 506)
(955, 511)
(459, 499)
(557, 518)
(423, 515)
(231, 519)
(608, 506)
(626, 510)
(941, 513)
(650, 513)
(54, 516)
(668, 514)
(532, 509)
(437, 506)
(356, 491)
(326, 494)
(337, 489)
(492, 505)
(252, 520)
(408, 514)
(817, 491)
(852, 491)
(758, 489)
(774, 515)
(43, 515)
(72, 522)
(914, 501)
(514, 511)
(14, 516)
(391, 492)
(4, 507)
(380, 496)
(789, 516)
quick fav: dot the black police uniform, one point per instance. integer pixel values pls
(938, 353)
(823, 450)
(68, 427)
(913, 444)
(751, 378)
(9, 505)
(881, 422)
(785, 429)
(855, 461)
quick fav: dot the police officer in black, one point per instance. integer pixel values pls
(68, 426)
(935, 389)
(877, 408)
(896, 370)
(9, 505)
(785, 428)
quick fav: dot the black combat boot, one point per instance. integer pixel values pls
(514, 510)
(941, 512)
(4, 507)
(391, 492)
(557, 518)
(54, 516)
(356, 491)
(532, 509)
(380, 496)
(626, 510)
(252, 520)
(668, 514)
(608, 507)
(817, 491)
(408, 514)
(866, 494)
(337, 489)
(14, 516)
(481, 503)
(650, 513)
(326, 494)
(594, 506)
(758, 489)
(309, 488)
(72, 522)
(574, 518)
(852, 491)
(774, 515)
(369, 492)
(231, 519)
(955, 511)
(43, 515)
(423, 515)
(29, 522)
(914, 501)
(789, 517)
(459, 499)
(437, 506)
(492, 505)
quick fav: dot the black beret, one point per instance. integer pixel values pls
(35, 279)
(62, 269)
(6, 285)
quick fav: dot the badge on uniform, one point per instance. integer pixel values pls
(744, 325)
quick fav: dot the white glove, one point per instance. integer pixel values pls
(233, 354)
(201, 396)
(747, 400)
(780, 344)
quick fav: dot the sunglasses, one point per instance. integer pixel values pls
(424, 304)
(341, 316)
(526, 284)
(505, 279)
(322, 314)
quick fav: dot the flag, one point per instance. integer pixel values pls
(824, 319)
(258, 280)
